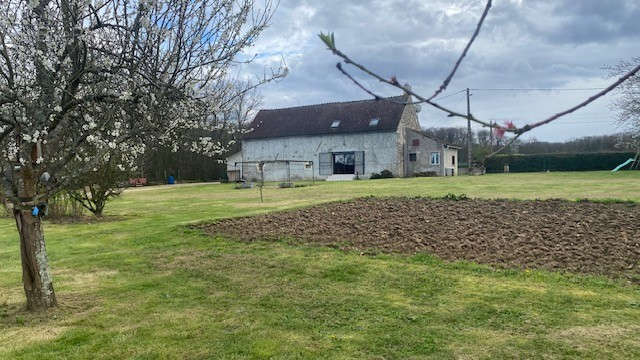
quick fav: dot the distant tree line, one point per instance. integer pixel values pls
(484, 143)
(588, 144)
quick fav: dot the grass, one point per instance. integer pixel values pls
(148, 287)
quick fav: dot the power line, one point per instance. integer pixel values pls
(586, 122)
(569, 121)
(450, 95)
(536, 89)
(516, 89)
(601, 116)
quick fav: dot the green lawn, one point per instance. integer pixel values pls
(148, 287)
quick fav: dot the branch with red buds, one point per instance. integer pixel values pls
(329, 40)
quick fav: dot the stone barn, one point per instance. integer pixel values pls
(341, 141)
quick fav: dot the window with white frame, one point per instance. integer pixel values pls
(435, 158)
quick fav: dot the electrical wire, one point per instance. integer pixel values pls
(450, 95)
(536, 89)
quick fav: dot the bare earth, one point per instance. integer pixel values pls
(557, 235)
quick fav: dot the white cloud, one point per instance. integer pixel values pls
(524, 44)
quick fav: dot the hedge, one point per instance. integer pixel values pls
(557, 162)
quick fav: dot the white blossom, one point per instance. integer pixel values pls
(126, 95)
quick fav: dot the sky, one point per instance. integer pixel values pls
(562, 46)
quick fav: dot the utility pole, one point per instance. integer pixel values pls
(491, 135)
(468, 132)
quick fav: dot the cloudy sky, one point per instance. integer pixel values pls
(561, 45)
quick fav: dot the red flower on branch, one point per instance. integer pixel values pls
(500, 130)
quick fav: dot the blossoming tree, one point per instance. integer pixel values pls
(82, 80)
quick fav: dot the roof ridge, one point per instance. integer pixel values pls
(316, 119)
(334, 102)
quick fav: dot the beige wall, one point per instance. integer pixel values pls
(423, 150)
(408, 121)
(449, 155)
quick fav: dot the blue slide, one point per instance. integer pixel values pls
(623, 165)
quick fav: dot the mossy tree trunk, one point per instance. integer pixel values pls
(36, 274)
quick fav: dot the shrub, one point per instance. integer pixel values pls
(5, 211)
(454, 197)
(286, 185)
(62, 205)
(425, 174)
(384, 174)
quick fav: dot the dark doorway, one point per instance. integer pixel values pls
(344, 163)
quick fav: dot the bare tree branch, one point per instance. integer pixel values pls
(394, 82)
(588, 101)
(330, 42)
(364, 88)
(509, 143)
(446, 81)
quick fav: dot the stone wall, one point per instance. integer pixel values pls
(408, 121)
(379, 153)
(423, 149)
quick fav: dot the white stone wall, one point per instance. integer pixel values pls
(380, 153)
(232, 159)
(232, 169)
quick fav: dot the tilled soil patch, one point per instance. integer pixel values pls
(559, 235)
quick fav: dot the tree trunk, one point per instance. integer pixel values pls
(99, 211)
(36, 276)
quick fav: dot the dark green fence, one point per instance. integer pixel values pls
(557, 162)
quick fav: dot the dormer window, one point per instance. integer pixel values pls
(335, 124)
(374, 122)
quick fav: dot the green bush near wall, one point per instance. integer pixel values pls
(557, 162)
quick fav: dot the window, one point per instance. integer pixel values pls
(413, 157)
(335, 124)
(374, 122)
(344, 163)
(435, 158)
(415, 142)
(453, 160)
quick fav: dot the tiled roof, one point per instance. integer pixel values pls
(354, 116)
